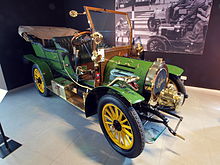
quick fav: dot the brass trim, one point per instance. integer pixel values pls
(152, 75)
(124, 79)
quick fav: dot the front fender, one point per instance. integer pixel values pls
(44, 67)
(175, 70)
(128, 95)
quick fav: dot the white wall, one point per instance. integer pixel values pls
(3, 87)
(2, 80)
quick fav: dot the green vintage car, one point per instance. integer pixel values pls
(98, 74)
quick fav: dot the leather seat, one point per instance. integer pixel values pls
(84, 49)
(64, 42)
(49, 44)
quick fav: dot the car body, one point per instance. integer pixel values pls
(93, 72)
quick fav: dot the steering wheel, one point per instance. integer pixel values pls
(78, 39)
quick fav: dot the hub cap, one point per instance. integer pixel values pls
(117, 126)
(38, 80)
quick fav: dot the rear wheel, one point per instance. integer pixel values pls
(121, 126)
(39, 81)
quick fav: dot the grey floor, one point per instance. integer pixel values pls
(55, 133)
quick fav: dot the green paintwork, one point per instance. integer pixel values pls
(136, 67)
(132, 96)
(44, 67)
(175, 70)
(54, 58)
(38, 48)
(50, 55)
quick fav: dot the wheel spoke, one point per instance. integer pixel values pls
(123, 137)
(120, 116)
(112, 111)
(127, 132)
(127, 138)
(109, 113)
(119, 137)
(116, 135)
(107, 122)
(126, 126)
(114, 132)
(108, 118)
(35, 76)
(123, 121)
(116, 113)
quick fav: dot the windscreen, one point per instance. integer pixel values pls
(114, 28)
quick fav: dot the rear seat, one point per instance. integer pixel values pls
(49, 44)
(64, 42)
(46, 43)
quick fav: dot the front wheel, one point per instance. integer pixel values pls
(176, 84)
(121, 126)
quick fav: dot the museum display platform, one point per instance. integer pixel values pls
(53, 132)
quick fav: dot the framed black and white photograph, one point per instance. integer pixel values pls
(176, 26)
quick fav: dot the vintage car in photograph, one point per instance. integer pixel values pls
(174, 27)
(133, 98)
(178, 12)
(175, 38)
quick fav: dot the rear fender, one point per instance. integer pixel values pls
(127, 95)
(44, 67)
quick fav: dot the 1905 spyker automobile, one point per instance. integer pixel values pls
(86, 68)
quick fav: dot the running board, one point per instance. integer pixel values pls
(68, 91)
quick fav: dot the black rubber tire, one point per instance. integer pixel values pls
(180, 86)
(160, 47)
(152, 24)
(135, 122)
(46, 92)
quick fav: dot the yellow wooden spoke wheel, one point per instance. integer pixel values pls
(39, 81)
(117, 126)
(121, 126)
